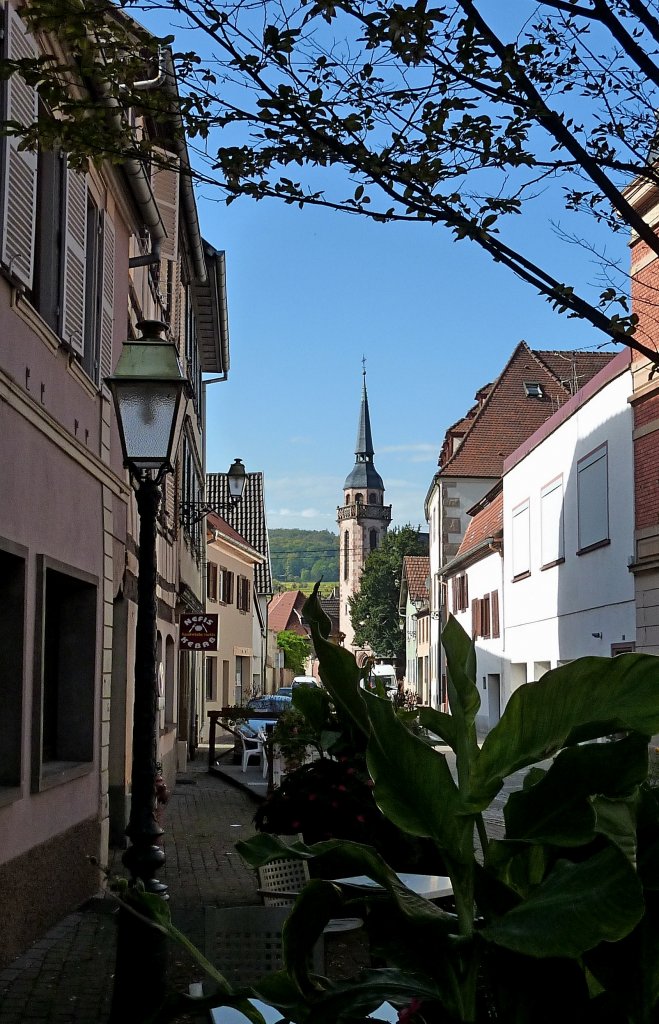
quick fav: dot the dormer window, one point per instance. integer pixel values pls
(533, 389)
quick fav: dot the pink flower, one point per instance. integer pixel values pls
(360, 817)
(342, 789)
(312, 796)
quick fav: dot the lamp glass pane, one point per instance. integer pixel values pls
(147, 414)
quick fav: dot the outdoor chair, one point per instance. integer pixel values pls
(244, 943)
(281, 881)
(252, 747)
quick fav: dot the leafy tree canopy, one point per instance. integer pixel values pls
(374, 610)
(296, 650)
(304, 556)
(462, 114)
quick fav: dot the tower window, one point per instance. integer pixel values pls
(346, 547)
(359, 498)
(372, 499)
(373, 539)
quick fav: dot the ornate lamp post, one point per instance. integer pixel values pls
(150, 395)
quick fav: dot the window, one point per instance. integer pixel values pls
(242, 598)
(521, 540)
(12, 639)
(66, 669)
(346, 554)
(191, 493)
(460, 592)
(359, 499)
(551, 524)
(211, 581)
(372, 499)
(532, 389)
(372, 539)
(226, 587)
(211, 678)
(593, 499)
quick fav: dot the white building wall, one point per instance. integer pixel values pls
(484, 577)
(556, 614)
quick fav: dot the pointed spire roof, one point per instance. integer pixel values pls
(364, 473)
(364, 444)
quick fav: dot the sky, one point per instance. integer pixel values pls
(311, 292)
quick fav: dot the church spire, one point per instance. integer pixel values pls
(364, 447)
(364, 473)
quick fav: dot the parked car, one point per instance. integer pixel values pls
(270, 706)
(285, 691)
(304, 681)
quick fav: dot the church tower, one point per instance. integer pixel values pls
(363, 518)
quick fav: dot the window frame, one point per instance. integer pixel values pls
(588, 461)
(82, 765)
(522, 507)
(546, 490)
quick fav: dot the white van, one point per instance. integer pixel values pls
(304, 681)
(385, 674)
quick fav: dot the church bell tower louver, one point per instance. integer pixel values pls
(363, 519)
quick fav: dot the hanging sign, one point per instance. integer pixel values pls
(198, 632)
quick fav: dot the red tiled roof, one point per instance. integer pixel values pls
(285, 611)
(416, 569)
(217, 523)
(508, 416)
(486, 523)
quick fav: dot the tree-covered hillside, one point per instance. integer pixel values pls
(304, 555)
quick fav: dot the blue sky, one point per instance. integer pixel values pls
(310, 292)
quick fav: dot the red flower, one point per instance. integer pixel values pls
(407, 1013)
(312, 796)
(360, 817)
(342, 789)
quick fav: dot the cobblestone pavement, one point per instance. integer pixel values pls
(66, 977)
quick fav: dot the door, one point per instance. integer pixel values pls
(494, 697)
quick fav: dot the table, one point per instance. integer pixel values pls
(431, 887)
(229, 1015)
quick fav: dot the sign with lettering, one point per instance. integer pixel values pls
(198, 632)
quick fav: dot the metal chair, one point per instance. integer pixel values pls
(244, 943)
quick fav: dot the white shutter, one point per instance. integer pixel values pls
(107, 297)
(20, 183)
(75, 257)
(165, 184)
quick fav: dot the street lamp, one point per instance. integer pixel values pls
(192, 511)
(150, 396)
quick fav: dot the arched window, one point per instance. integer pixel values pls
(372, 499)
(359, 498)
(373, 539)
(346, 549)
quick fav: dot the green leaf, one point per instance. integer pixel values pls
(574, 909)
(464, 698)
(557, 809)
(314, 703)
(589, 697)
(338, 669)
(616, 819)
(438, 722)
(414, 787)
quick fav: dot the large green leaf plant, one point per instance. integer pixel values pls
(558, 921)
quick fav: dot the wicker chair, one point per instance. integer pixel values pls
(281, 881)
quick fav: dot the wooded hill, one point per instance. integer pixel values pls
(304, 556)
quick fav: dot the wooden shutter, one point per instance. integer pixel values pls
(165, 185)
(20, 188)
(454, 593)
(75, 258)
(107, 297)
(475, 617)
(494, 596)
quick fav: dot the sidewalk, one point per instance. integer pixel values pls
(66, 977)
